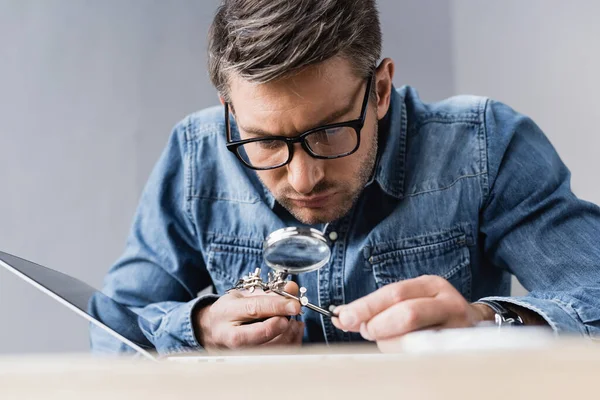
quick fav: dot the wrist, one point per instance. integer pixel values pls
(509, 313)
(483, 313)
(529, 317)
(200, 324)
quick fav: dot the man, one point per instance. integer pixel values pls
(428, 207)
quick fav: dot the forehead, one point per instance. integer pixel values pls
(291, 103)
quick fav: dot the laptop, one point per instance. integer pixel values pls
(102, 311)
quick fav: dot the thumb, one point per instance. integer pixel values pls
(291, 288)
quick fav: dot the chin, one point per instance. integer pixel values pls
(323, 215)
(312, 217)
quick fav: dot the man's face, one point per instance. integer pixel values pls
(312, 190)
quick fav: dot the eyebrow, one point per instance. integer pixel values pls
(324, 121)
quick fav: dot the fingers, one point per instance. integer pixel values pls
(336, 322)
(256, 333)
(245, 309)
(351, 316)
(404, 317)
(390, 345)
(291, 287)
(291, 337)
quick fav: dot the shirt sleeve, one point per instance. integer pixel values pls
(162, 269)
(536, 228)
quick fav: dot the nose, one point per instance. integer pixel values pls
(304, 171)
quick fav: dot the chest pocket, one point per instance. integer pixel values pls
(231, 258)
(444, 254)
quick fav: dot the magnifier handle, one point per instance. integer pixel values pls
(305, 304)
(320, 310)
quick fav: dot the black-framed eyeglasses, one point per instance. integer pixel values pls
(324, 142)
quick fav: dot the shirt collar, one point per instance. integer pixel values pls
(391, 155)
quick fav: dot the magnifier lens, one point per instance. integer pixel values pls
(296, 250)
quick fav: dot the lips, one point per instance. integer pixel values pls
(313, 201)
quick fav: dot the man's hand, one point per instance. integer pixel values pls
(231, 321)
(407, 306)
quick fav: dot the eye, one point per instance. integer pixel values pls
(332, 141)
(325, 137)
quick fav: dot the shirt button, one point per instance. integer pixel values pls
(333, 236)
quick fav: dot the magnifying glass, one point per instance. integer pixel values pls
(295, 250)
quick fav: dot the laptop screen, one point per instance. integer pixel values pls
(87, 301)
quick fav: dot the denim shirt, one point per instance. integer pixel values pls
(467, 189)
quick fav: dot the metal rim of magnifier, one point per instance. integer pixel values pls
(286, 233)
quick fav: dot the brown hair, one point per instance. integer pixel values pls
(263, 40)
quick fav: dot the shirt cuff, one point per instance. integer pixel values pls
(561, 318)
(188, 328)
(181, 338)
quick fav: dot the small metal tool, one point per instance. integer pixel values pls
(275, 284)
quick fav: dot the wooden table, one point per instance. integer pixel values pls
(567, 370)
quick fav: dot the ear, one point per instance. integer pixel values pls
(384, 75)
(231, 110)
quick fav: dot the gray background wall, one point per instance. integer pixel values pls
(90, 90)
